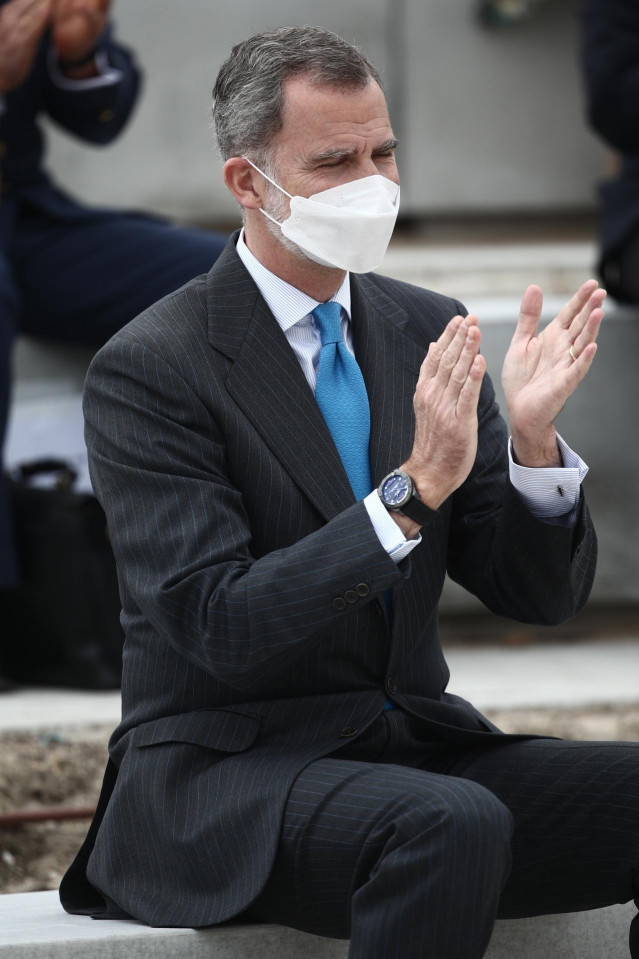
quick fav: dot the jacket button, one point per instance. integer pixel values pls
(339, 603)
(351, 596)
(348, 731)
(391, 687)
(362, 589)
(106, 116)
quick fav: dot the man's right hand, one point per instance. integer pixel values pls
(445, 405)
(22, 24)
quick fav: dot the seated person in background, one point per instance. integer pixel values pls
(291, 451)
(611, 64)
(68, 272)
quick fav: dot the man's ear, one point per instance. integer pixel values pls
(245, 183)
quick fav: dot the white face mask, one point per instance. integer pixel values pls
(348, 227)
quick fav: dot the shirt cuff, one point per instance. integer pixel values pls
(388, 532)
(108, 75)
(549, 492)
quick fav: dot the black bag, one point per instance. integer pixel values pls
(63, 624)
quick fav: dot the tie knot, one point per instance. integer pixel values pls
(328, 318)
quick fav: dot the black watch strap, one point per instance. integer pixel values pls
(418, 511)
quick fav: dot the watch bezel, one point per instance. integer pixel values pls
(410, 493)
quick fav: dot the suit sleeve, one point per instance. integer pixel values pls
(519, 566)
(98, 114)
(611, 65)
(181, 536)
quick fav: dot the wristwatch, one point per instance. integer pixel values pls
(398, 494)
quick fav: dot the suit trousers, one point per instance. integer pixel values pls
(78, 282)
(412, 847)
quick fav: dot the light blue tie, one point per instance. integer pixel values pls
(341, 396)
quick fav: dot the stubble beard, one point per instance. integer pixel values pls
(277, 206)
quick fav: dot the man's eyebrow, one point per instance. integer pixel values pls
(391, 144)
(334, 154)
(341, 154)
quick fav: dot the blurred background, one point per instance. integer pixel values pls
(490, 119)
(499, 170)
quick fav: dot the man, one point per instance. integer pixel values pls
(288, 751)
(611, 72)
(68, 272)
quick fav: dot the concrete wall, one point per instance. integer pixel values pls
(488, 120)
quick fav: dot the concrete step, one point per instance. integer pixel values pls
(470, 270)
(33, 926)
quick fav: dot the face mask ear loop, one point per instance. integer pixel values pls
(281, 189)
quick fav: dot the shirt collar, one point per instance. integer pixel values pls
(287, 304)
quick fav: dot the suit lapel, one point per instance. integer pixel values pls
(390, 363)
(267, 383)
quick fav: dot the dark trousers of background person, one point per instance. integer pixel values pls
(413, 848)
(79, 282)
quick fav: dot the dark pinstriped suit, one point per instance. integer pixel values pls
(234, 529)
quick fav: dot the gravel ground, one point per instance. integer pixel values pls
(57, 770)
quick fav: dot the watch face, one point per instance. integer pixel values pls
(396, 489)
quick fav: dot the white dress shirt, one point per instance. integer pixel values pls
(548, 493)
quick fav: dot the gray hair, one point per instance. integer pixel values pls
(248, 92)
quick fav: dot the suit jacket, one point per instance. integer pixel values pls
(235, 530)
(95, 115)
(611, 68)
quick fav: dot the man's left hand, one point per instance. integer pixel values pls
(539, 372)
(77, 26)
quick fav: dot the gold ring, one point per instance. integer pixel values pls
(572, 355)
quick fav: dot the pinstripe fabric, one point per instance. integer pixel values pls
(231, 547)
(413, 848)
(546, 492)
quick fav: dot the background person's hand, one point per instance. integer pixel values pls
(539, 374)
(77, 26)
(445, 405)
(22, 25)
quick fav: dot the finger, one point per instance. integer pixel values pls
(32, 8)
(33, 18)
(578, 370)
(469, 394)
(595, 302)
(451, 355)
(529, 313)
(461, 370)
(589, 333)
(27, 12)
(22, 7)
(568, 312)
(436, 349)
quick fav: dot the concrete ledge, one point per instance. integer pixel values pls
(35, 927)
